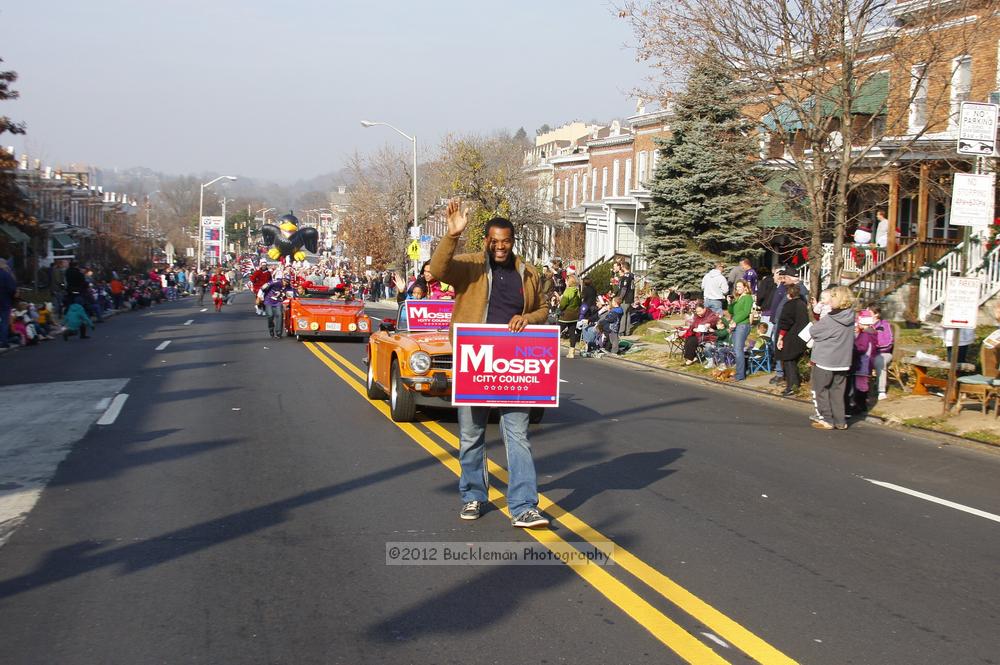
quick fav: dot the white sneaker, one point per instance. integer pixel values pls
(882, 396)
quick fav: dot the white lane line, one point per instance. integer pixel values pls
(934, 499)
(718, 640)
(563, 381)
(189, 322)
(204, 309)
(103, 404)
(112, 413)
(163, 345)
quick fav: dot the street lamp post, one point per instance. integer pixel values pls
(201, 215)
(263, 220)
(369, 123)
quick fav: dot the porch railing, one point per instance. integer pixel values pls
(934, 281)
(896, 270)
(857, 259)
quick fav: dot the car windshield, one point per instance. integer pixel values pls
(317, 300)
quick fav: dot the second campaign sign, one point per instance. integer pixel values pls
(495, 367)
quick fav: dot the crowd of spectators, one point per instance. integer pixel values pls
(756, 315)
(80, 296)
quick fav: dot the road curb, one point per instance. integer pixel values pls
(869, 419)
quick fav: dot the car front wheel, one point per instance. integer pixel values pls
(402, 403)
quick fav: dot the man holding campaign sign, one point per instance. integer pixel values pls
(499, 359)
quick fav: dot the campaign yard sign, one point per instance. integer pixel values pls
(495, 367)
(428, 314)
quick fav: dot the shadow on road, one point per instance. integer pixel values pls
(634, 471)
(86, 556)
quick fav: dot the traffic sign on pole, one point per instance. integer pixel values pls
(972, 199)
(961, 302)
(977, 129)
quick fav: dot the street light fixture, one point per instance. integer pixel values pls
(201, 215)
(369, 123)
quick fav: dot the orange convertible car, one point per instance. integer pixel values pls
(413, 367)
(317, 313)
(409, 367)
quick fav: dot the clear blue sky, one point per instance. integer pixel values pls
(276, 89)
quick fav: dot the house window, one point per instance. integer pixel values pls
(604, 182)
(616, 168)
(918, 98)
(643, 163)
(593, 184)
(576, 187)
(652, 170)
(961, 86)
(878, 127)
(566, 193)
(628, 176)
(558, 187)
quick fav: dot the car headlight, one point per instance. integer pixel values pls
(363, 325)
(420, 362)
(352, 327)
(303, 324)
(314, 326)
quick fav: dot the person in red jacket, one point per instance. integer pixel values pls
(258, 278)
(220, 288)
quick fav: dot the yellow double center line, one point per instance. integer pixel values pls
(659, 625)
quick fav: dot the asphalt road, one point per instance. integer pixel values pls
(238, 508)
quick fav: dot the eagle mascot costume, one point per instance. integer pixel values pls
(287, 239)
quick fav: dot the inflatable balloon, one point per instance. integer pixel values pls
(287, 239)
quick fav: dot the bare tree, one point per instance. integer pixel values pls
(487, 171)
(815, 70)
(381, 206)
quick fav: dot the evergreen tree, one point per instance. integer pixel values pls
(13, 204)
(706, 191)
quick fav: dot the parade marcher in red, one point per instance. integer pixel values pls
(220, 288)
(258, 278)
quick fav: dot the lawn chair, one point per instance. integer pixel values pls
(675, 342)
(761, 360)
(979, 387)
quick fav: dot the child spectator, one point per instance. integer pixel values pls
(864, 350)
(44, 321)
(884, 344)
(609, 322)
(763, 345)
(19, 321)
(76, 321)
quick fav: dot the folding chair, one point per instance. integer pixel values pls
(675, 343)
(761, 360)
(979, 387)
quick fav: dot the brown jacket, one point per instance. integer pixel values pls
(472, 278)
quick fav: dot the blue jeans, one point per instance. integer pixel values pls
(740, 334)
(522, 487)
(714, 305)
(275, 318)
